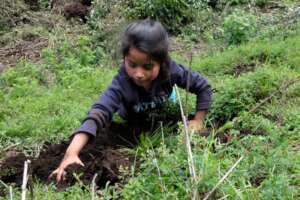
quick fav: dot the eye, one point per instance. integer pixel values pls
(148, 66)
(132, 64)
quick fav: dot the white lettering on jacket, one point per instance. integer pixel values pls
(143, 106)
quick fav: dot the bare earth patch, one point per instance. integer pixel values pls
(104, 157)
(9, 56)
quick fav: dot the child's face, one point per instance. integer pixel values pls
(141, 68)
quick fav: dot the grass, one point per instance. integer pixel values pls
(46, 102)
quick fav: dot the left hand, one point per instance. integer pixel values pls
(195, 125)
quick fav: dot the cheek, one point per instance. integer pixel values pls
(155, 73)
(129, 71)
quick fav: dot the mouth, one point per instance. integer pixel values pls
(138, 80)
(141, 83)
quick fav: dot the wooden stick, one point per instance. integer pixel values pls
(25, 179)
(281, 89)
(189, 148)
(224, 177)
(10, 193)
(162, 133)
(93, 186)
(222, 198)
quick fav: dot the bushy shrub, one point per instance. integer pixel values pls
(239, 27)
(172, 13)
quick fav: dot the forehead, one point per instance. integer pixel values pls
(138, 56)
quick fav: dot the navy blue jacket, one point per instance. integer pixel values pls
(130, 101)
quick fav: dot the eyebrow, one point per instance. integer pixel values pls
(149, 63)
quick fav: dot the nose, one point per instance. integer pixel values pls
(139, 73)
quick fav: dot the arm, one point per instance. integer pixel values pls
(78, 142)
(196, 84)
(100, 114)
(102, 111)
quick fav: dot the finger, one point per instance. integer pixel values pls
(64, 174)
(52, 174)
(59, 176)
(80, 162)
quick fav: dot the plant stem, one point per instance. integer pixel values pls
(93, 186)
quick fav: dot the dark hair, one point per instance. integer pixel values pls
(151, 38)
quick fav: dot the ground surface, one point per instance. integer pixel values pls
(103, 157)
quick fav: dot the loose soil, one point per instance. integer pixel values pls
(103, 156)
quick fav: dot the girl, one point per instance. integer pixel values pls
(144, 82)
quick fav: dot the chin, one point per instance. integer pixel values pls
(138, 82)
(141, 84)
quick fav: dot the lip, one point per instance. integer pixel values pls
(141, 83)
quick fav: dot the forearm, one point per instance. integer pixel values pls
(78, 142)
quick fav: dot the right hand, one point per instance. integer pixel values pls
(71, 156)
(60, 172)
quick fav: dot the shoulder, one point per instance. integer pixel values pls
(121, 78)
(122, 83)
(176, 69)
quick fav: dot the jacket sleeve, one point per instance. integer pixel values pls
(102, 111)
(195, 83)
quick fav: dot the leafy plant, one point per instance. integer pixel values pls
(239, 27)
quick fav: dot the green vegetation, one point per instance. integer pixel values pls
(172, 13)
(249, 58)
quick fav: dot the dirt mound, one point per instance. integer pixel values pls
(76, 9)
(103, 156)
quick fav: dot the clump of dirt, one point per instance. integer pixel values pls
(257, 181)
(227, 137)
(243, 68)
(76, 9)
